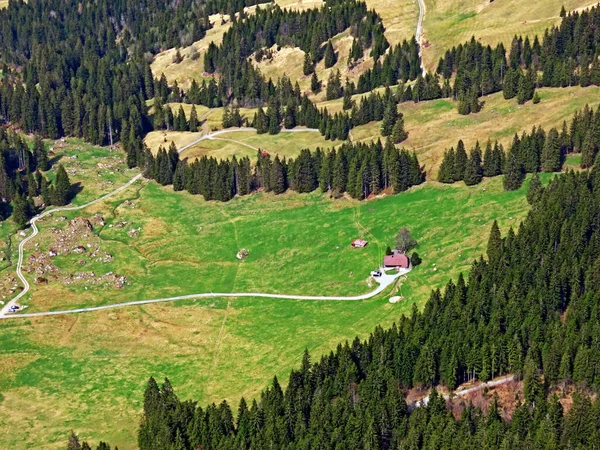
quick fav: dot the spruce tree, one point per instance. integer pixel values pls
(390, 117)
(398, 132)
(494, 246)
(511, 83)
(277, 176)
(261, 121)
(535, 190)
(62, 187)
(446, 170)
(308, 67)
(330, 56)
(40, 154)
(473, 171)
(274, 119)
(315, 84)
(348, 103)
(588, 151)
(460, 161)
(21, 211)
(551, 154)
(514, 174)
(193, 120)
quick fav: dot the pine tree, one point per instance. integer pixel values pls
(40, 154)
(588, 151)
(494, 246)
(277, 176)
(330, 56)
(460, 161)
(473, 171)
(390, 117)
(308, 67)
(62, 187)
(514, 174)
(535, 190)
(21, 211)
(193, 120)
(315, 84)
(398, 132)
(551, 154)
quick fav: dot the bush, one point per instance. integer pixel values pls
(536, 98)
(415, 259)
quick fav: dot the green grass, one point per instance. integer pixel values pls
(87, 372)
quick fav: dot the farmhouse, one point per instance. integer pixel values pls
(396, 260)
(359, 243)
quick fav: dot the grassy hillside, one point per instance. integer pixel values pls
(87, 372)
(399, 18)
(239, 144)
(434, 126)
(451, 22)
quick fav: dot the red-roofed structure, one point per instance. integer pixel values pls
(359, 243)
(396, 260)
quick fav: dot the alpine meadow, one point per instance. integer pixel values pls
(299, 224)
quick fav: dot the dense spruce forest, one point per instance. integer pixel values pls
(531, 309)
(529, 153)
(359, 170)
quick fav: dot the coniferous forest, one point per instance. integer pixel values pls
(530, 308)
(529, 153)
(360, 170)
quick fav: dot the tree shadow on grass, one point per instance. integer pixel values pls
(76, 188)
(55, 160)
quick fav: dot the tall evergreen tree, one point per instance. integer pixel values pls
(551, 154)
(330, 56)
(62, 187)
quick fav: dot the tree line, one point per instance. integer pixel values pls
(22, 180)
(529, 153)
(567, 55)
(359, 170)
(529, 308)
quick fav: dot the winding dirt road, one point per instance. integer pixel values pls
(384, 281)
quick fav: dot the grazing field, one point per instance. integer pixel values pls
(239, 143)
(452, 22)
(434, 126)
(192, 65)
(289, 61)
(77, 372)
(399, 18)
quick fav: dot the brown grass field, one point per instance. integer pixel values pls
(451, 22)
(435, 126)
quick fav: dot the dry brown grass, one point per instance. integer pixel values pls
(451, 22)
(289, 61)
(189, 69)
(156, 139)
(435, 126)
(399, 18)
